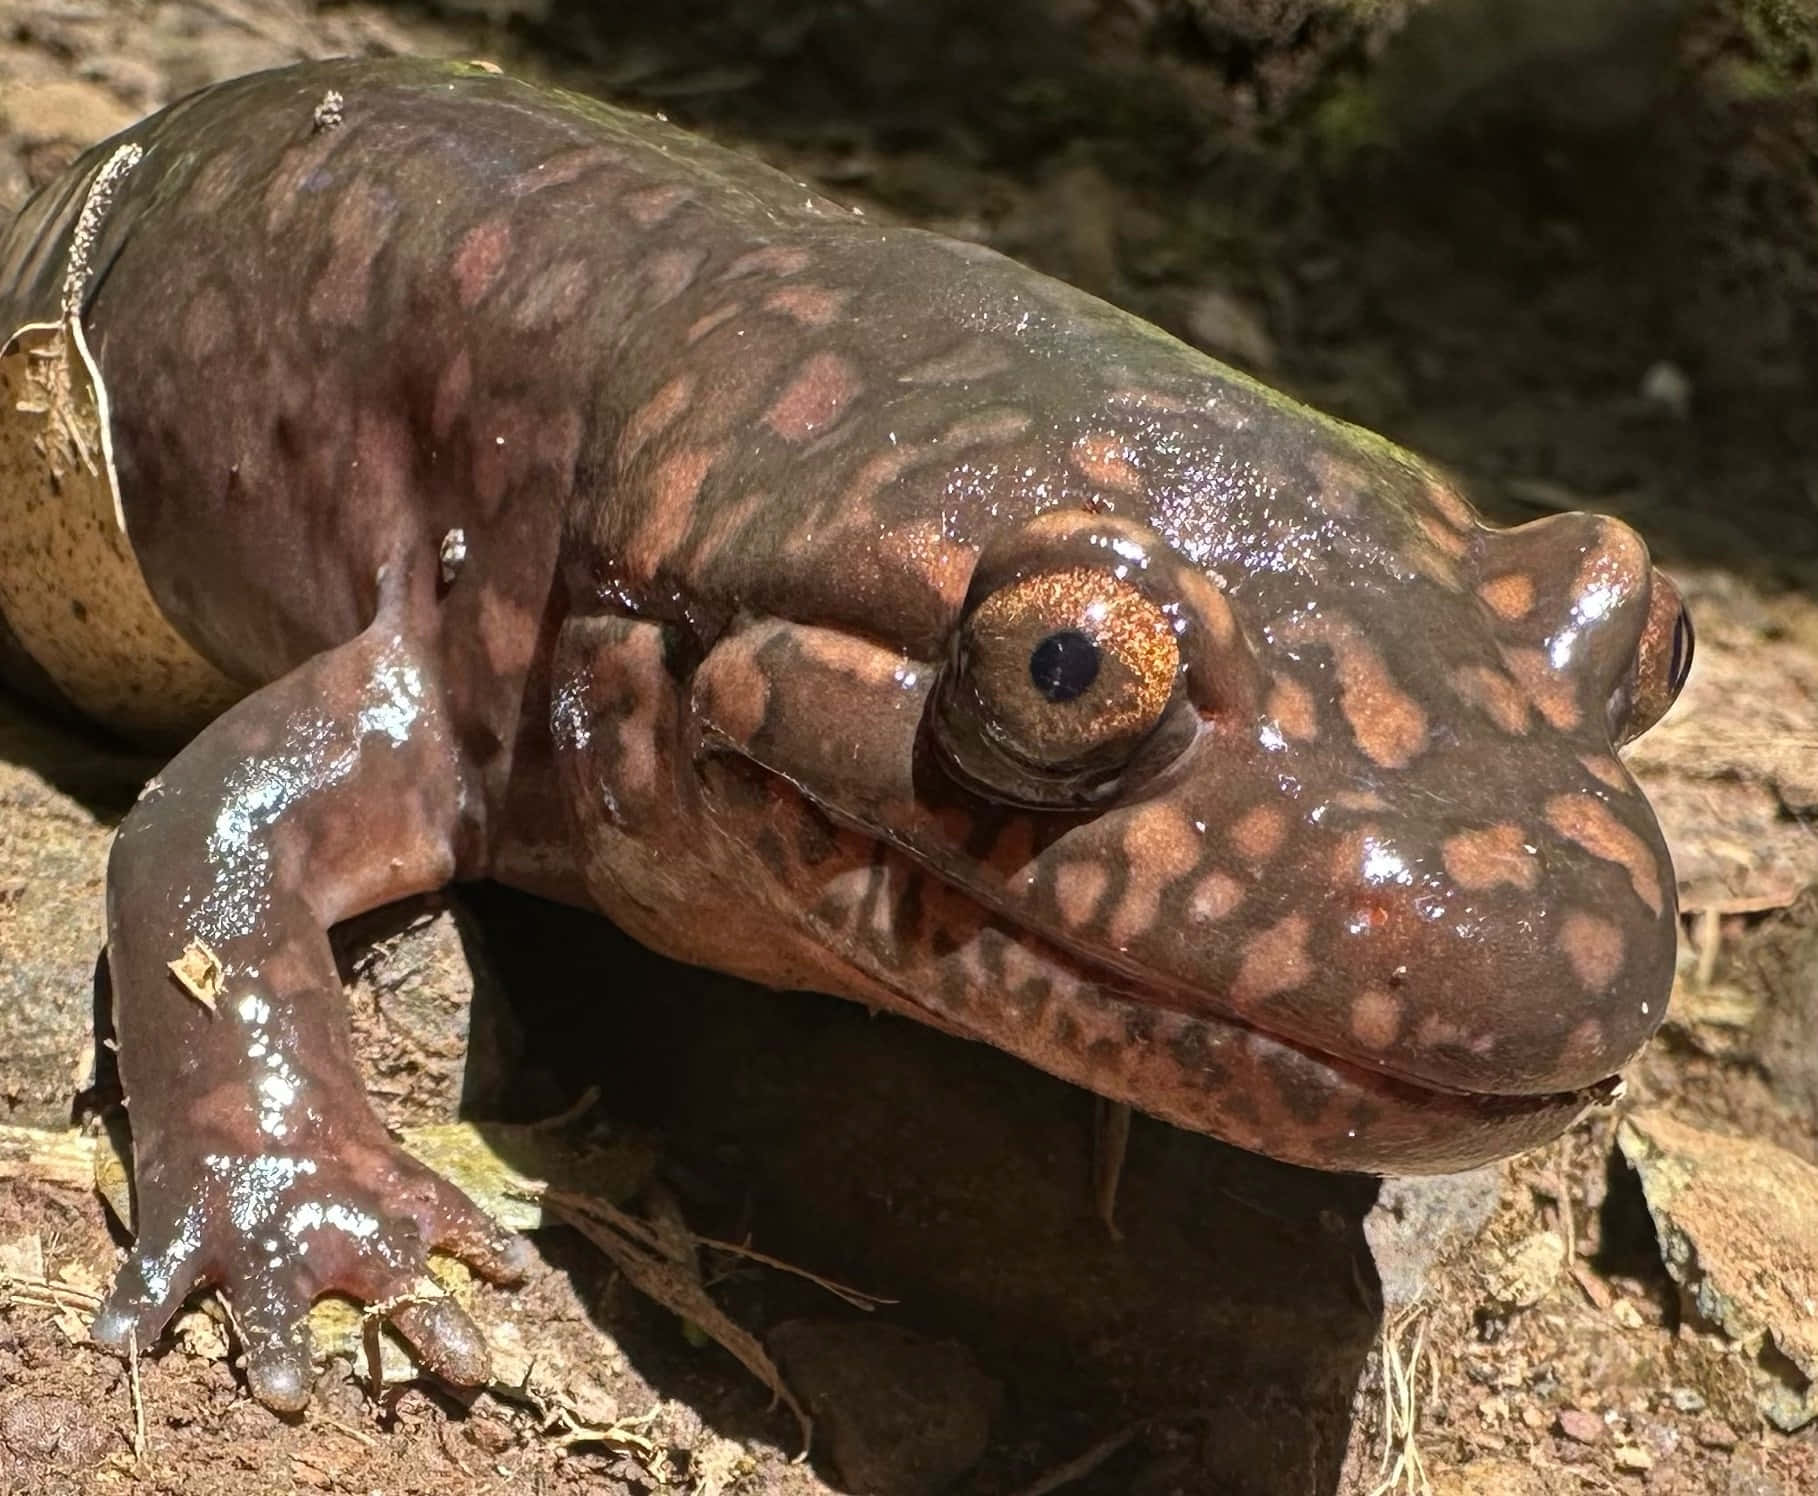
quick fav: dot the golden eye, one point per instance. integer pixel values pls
(1067, 670)
(1663, 660)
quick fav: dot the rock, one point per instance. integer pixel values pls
(430, 1020)
(1581, 1427)
(1525, 1273)
(1229, 328)
(902, 1416)
(1737, 1218)
(1418, 1223)
(67, 111)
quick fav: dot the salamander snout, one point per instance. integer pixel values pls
(1588, 625)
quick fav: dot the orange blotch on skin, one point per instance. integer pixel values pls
(1259, 833)
(1078, 886)
(877, 474)
(966, 363)
(1376, 1018)
(1510, 596)
(1292, 709)
(556, 443)
(990, 426)
(728, 522)
(669, 273)
(1551, 694)
(1215, 896)
(508, 633)
(1594, 946)
(1274, 961)
(1387, 723)
(1160, 844)
(870, 665)
(553, 296)
(1449, 504)
(642, 671)
(1583, 1044)
(1618, 565)
(564, 167)
(1482, 859)
(705, 323)
(208, 324)
(453, 387)
(1338, 484)
(479, 258)
(1207, 601)
(357, 232)
(733, 693)
(1437, 569)
(655, 416)
(284, 184)
(814, 398)
(649, 206)
(1587, 822)
(1436, 1031)
(812, 306)
(1495, 695)
(1606, 770)
(1347, 855)
(1443, 537)
(674, 487)
(1132, 398)
(1105, 459)
(773, 259)
(1059, 525)
(924, 550)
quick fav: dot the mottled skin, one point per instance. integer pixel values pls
(740, 476)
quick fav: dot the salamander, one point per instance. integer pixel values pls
(501, 485)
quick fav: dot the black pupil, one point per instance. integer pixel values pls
(1683, 642)
(1064, 665)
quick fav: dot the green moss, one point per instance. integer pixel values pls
(1784, 34)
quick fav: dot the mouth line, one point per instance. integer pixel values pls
(1136, 992)
(1139, 992)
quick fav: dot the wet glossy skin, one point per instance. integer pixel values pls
(582, 506)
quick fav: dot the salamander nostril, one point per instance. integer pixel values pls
(1064, 665)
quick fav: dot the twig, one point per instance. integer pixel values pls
(1083, 1465)
(140, 1443)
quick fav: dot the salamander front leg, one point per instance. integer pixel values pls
(259, 1165)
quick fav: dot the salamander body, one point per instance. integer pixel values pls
(508, 486)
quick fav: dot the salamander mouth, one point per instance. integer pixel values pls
(1146, 1042)
(893, 928)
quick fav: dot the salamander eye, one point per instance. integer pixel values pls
(1058, 680)
(1663, 660)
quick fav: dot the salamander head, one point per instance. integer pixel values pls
(1195, 747)
(1323, 848)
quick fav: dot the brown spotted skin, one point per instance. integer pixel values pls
(732, 467)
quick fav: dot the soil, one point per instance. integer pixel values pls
(1570, 251)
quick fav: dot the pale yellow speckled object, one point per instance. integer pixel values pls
(70, 586)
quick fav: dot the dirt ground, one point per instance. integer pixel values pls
(1570, 251)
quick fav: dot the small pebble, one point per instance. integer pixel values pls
(453, 555)
(1668, 385)
(1581, 1427)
